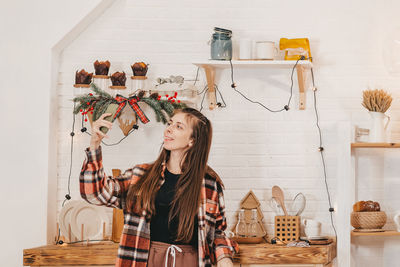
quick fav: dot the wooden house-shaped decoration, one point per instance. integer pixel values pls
(248, 203)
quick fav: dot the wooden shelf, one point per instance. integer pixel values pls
(385, 233)
(375, 145)
(209, 67)
(254, 63)
(105, 253)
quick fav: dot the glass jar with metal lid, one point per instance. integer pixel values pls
(221, 44)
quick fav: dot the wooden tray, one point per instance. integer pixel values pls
(249, 240)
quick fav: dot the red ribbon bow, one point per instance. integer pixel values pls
(132, 101)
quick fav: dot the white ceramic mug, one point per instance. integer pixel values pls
(266, 50)
(245, 47)
(311, 223)
(312, 231)
(312, 227)
(396, 220)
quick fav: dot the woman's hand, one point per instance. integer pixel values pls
(225, 262)
(98, 135)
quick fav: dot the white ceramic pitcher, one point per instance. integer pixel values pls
(396, 220)
(378, 126)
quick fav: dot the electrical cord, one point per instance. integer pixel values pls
(60, 242)
(197, 75)
(72, 134)
(204, 91)
(321, 151)
(114, 144)
(286, 107)
(68, 195)
(84, 130)
(202, 100)
(219, 104)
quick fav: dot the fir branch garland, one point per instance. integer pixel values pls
(98, 102)
(155, 105)
(168, 107)
(100, 92)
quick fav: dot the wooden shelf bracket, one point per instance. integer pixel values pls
(210, 75)
(302, 91)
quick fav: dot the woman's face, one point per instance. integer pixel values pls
(177, 135)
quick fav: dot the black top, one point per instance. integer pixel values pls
(159, 230)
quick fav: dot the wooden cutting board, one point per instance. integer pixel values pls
(321, 242)
(118, 216)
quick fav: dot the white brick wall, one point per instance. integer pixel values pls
(252, 148)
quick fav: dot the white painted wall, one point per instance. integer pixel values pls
(252, 148)
(28, 32)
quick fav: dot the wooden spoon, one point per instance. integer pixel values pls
(277, 193)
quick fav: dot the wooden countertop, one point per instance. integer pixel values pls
(104, 253)
(266, 253)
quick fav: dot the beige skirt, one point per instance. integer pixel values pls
(167, 255)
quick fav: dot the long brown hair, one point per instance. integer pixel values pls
(194, 167)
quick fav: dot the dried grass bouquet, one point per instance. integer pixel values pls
(376, 100)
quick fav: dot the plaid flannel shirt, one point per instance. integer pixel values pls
(98, 189)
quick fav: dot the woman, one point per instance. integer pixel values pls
(174, 207)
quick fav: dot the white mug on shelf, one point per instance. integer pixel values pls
(245, 47)
(396, 220)
(312, 228)
(266, 50)
(311, 223)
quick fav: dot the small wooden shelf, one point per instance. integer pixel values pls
(209, 67)
(105, 253)
(254, 63)
(384, 233)
(375, 145)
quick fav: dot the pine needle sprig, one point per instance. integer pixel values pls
(178, 105)
(100, 92)
(156, 106)
(167, 106)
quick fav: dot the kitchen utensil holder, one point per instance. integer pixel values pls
(287, 228)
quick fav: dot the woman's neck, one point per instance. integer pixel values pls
(174, 162)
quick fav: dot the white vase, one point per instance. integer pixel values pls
(378, 127)
(396, 220)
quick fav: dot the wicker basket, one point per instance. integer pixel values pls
(368, 219)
